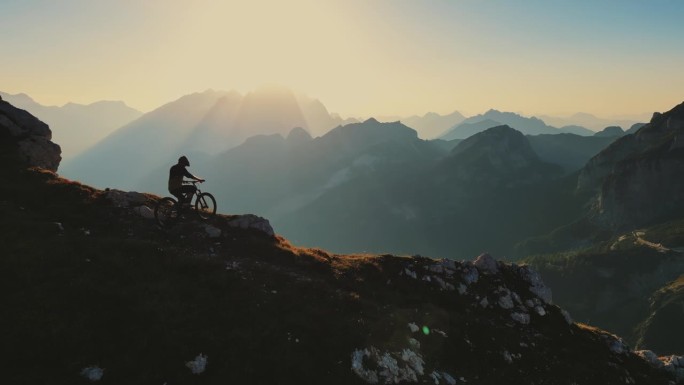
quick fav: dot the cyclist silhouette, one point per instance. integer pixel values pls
(176, 187)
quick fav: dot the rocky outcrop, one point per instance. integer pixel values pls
(638, 178)
(674, 365)
(31, 136)
(251, 221)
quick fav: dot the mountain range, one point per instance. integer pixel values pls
(429, 126)
(492, 118)
(593, 122)
(379, 174)
(94, 291)
(77, 127)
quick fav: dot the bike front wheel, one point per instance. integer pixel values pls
(166, 212)
(205, 204)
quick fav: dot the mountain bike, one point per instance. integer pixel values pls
(168, 210)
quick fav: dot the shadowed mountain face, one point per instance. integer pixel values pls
(76, 126)
(637, 179)
(213, 301)
(499, 156)
(568, 150)
(626, 267)
(432, 201)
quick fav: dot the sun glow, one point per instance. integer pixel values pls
(361, 58)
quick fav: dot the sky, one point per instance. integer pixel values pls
(359, 57)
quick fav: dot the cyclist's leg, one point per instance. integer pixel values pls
(178, 193)
(188, 191)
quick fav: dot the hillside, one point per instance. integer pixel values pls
(630, 285)
(93, 290)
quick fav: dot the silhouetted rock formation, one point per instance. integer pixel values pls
(31, 137)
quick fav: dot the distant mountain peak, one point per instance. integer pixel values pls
(611, 131)
(298, 135)
(500, 156)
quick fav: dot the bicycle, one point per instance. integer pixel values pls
(168, 210)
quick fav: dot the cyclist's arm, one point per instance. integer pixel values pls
(187, 174)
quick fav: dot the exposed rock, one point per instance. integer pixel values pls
(649, 357)
(392, 368)
(413, 327)
(616, 344)
(144, 211)
(537, 286)
(505, 301)
(92, 373)
(251, 221)
(212, 231)
(410, 273)
(567, 316)
(486, 264)
(521, 318)
(198, 365)
(126, 198)
(674, 365)
(31, 136)
(470, 275)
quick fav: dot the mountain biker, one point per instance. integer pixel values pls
(176, 187)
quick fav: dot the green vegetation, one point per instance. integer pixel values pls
(661, 330)
(609, 284)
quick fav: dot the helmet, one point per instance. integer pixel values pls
(184, 161)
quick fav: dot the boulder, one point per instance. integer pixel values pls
(251, 221)
(32, 137)
(486, 264)
(126, 198)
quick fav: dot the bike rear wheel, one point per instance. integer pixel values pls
(166, 212)
(205, 205)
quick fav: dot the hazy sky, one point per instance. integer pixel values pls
(359, 57)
